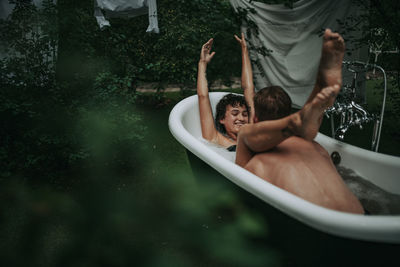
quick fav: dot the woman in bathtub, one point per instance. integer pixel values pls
(233, 111)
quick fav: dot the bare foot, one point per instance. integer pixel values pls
(330, 66)
(310, 116)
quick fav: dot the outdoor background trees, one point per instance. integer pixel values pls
(60, 64)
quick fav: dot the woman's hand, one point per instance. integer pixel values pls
(242, 41)
(206, 55)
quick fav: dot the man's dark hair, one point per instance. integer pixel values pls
(272, 103)
(229, 99)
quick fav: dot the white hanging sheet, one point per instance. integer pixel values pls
(126, 9)
(291, 35)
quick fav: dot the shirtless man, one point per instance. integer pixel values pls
(233, 110)
(282, 150)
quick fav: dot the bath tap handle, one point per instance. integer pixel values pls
(357, 120)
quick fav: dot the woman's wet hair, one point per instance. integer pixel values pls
(229, 99)
(272, 103)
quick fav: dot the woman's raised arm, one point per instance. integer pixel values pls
(208, 130)
(247, 77)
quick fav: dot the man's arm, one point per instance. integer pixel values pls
(263, 136)
(208, 130)
(247, 77)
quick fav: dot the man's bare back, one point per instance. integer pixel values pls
(305, 169)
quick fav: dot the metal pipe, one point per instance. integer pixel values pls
(375, 134)
(383, 107)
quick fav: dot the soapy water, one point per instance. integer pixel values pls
(374, 199)
(229, 155)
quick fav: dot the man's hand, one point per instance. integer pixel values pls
(242, 41)
(206, 55)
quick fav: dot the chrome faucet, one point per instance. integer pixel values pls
(351, 113)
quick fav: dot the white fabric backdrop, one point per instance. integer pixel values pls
(292, 36)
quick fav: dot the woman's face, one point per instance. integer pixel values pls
(235, 118)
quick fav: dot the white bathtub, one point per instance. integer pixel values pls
(380, 169)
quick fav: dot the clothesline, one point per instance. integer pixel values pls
(126, 9)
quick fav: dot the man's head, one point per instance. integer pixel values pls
(272, 103)
(232, 113)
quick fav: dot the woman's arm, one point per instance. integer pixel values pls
(208, 130)
(247, 77)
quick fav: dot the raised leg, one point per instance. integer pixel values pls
(330, 66)
(309, 117)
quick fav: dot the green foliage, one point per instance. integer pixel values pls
(179, 43)
(109, 87)
(45, 120)
(129, 224)
(28, 92)
(391, 119)
(376, 25)
(169, 57)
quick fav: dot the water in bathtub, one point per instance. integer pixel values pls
(374, 199)
(229, 155)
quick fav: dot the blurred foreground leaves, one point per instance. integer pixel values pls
(143, 216)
